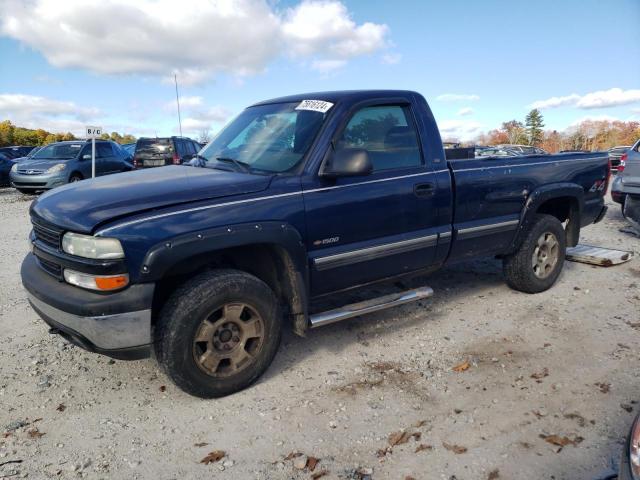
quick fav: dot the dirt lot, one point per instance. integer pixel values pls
(558, 363)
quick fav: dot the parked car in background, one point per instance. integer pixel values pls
(28, 155)
(65, 162)
(627, 181)
(16, 151)
(161, 151)
(524, 149)
(497, 152)
(5, 167)
(630, 458)
(130, 148)
(615, 154)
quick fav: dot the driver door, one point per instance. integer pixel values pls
(365, 228)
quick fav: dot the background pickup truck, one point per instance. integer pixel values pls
(296, 198)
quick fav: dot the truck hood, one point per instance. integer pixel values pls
(84, 205)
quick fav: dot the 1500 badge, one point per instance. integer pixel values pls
(327, 241)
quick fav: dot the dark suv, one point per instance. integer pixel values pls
(16, 151)
(158, 152)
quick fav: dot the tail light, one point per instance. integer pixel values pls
(623, 162)
(135, 163)
(176, 159)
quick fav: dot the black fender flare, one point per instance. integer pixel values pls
(161, 257)
(543, 194)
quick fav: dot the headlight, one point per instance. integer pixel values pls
(14, 167)
(92, 247)
(634, 450)
(56, 168)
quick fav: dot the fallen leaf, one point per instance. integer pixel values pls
(462, 366)
(561, 441)
(626, 407)
(457, 449)
(292, 455)
(577, 417)
(409, 477)
(398, 438)
(538, 413)
(213, 457)
(200, 444)
(163, 388)
(382, 452)
(319, 474)
(540, 375)
(604, 387)
(419, 423)
(35, 433)
(494, 474)
(422, 447)
(61, 408)
(311, 463)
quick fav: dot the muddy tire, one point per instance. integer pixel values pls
(536, 265)
(218, 333)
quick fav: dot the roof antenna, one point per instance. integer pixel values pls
(175, 78)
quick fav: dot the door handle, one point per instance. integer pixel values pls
(424, 189)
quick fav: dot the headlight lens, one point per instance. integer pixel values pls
(88, 246)
(104, 283)
(56, 168)
(14, 167)
(634, 450)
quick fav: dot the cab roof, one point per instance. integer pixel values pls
(340, 96)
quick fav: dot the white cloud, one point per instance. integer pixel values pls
(204, 119)
(598, 99)
(327, 66)
(465, 111)
(554, 102)
(457, 97)
(460, 129)
(195, 38)
(391, 58)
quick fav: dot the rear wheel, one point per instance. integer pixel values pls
(218, 333)
(536, 265)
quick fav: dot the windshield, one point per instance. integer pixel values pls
(269, 138)
(59, 151)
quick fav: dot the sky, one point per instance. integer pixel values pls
(111, 62)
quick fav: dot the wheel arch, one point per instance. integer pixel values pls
(271, 251)
(565, 201)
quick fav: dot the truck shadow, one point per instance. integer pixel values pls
(455, 283)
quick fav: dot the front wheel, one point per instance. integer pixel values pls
(76, 177)
(218, 333)
(536, 265)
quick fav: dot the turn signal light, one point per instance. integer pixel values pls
(103, 283)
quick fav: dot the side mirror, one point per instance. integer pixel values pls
(347, 162)
(86, 156)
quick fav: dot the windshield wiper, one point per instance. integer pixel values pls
(243, 166)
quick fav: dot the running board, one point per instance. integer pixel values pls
(368, 306)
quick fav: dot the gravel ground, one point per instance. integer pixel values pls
(556, 363)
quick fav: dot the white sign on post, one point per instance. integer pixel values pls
(92, 133)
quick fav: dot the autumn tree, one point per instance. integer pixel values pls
(534, 123)
(516, 133)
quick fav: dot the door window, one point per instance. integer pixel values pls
(103, 150)
(387, 133)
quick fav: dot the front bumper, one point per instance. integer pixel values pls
(116, 324)
(38, 182)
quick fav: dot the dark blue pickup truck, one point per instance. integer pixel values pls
(296, 198)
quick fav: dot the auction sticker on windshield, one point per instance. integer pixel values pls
(315, 105)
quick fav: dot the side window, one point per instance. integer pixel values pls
(180, 147)
(388, 134)
(103, 150)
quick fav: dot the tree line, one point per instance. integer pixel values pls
(589, 135)
(11, 134)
